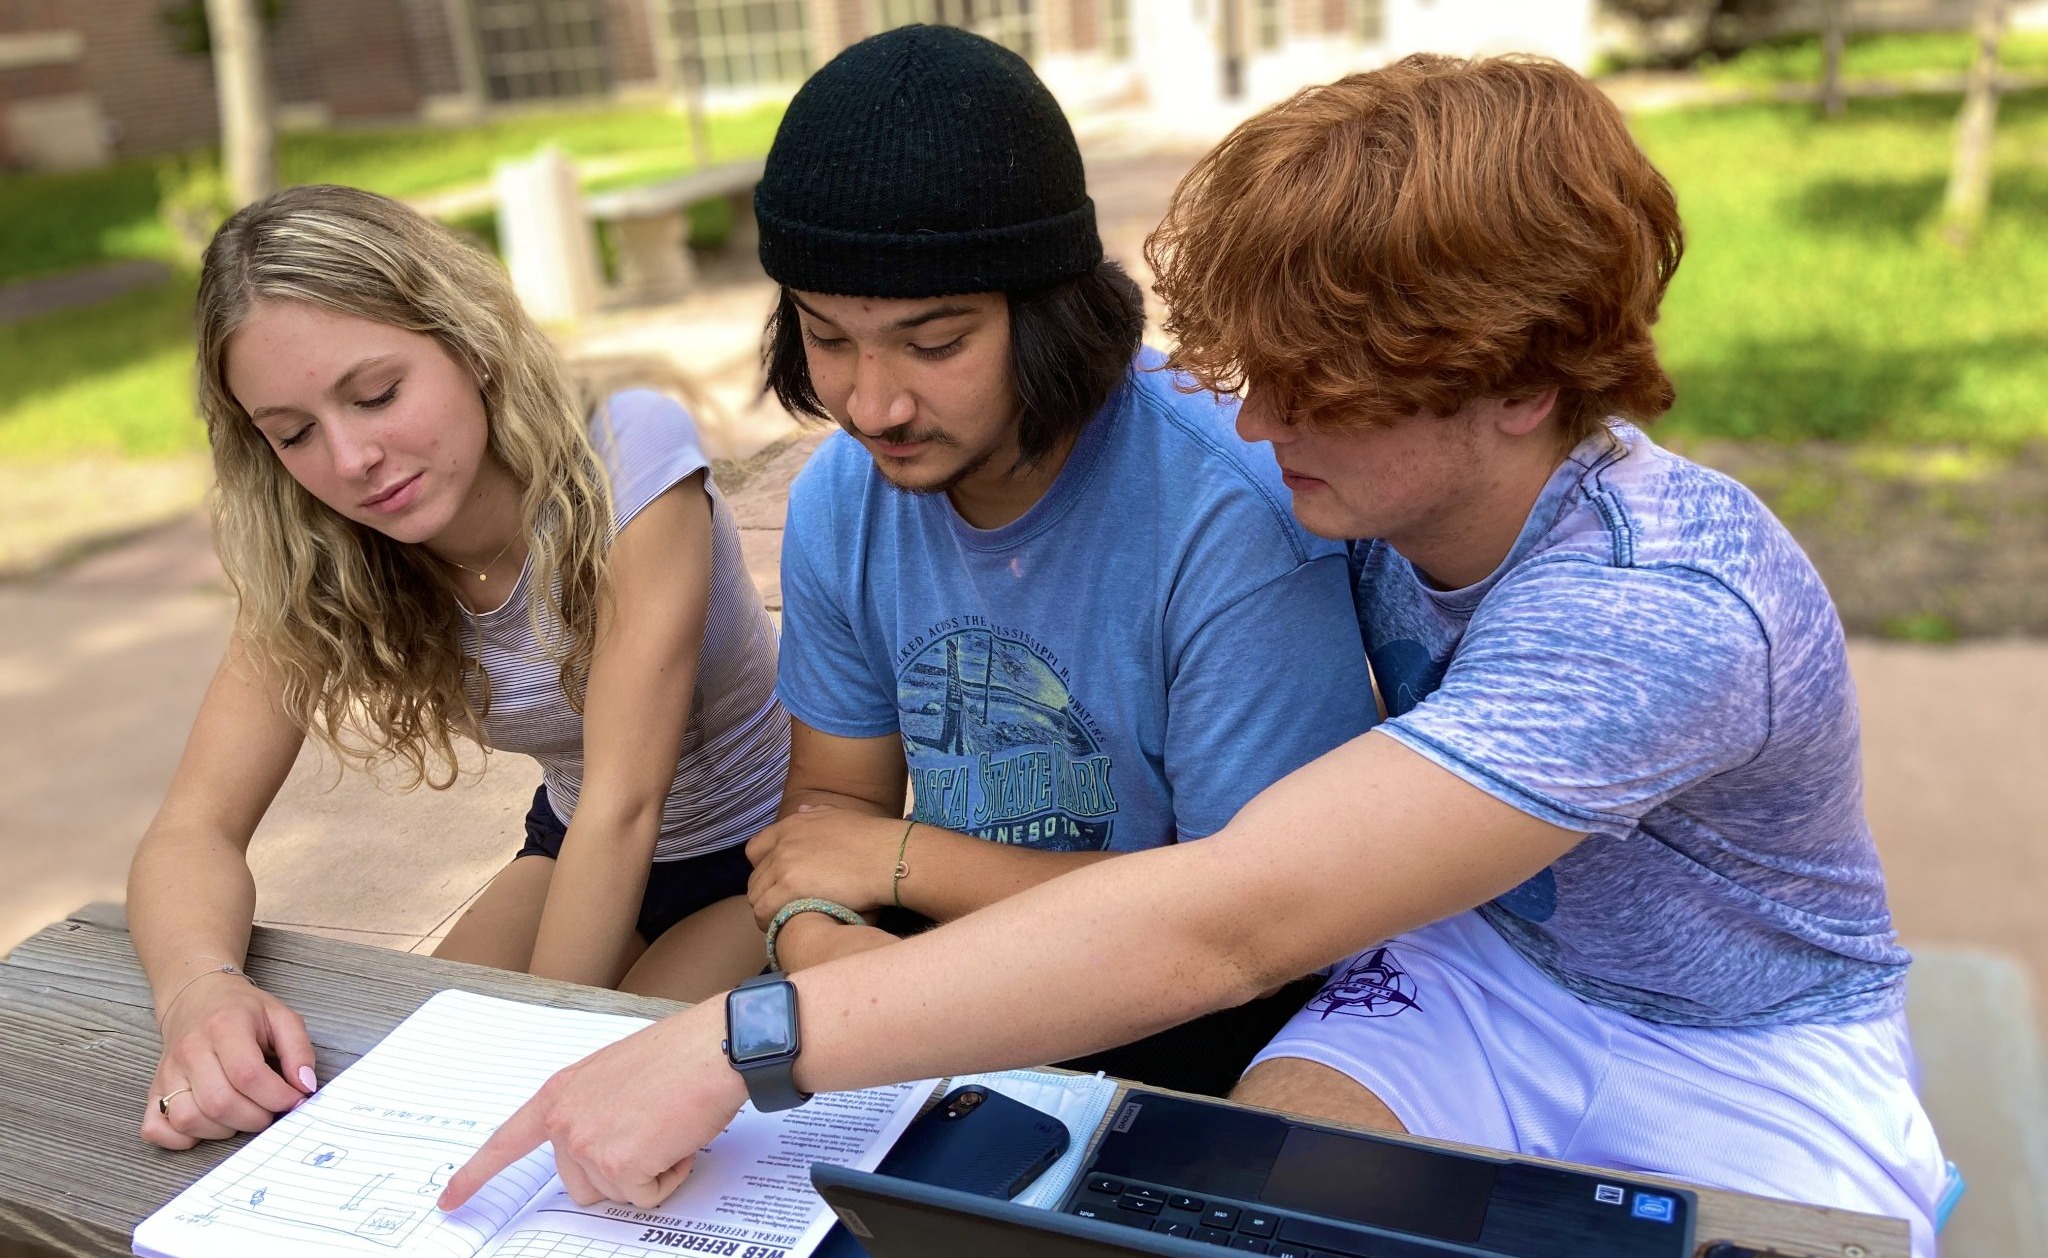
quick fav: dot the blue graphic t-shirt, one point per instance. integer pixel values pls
(1150, 645)
(1657, 665)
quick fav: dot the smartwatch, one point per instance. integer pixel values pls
(761, 1040)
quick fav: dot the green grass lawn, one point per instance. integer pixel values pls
(1879, 56)
(1813, 301)
(58, 221)
(115, 379)
(111, 379)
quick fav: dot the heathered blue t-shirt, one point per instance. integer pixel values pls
(1150, 645)
(1657, 665)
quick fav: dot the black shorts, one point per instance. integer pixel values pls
(675, 889)
(1204, 1056)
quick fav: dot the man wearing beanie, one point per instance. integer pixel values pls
(1599, 887)
(1031, 571)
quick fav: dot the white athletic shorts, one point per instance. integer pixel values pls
(1466, 1040)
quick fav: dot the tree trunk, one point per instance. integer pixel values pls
(248, 140)
(1834, 23)
(682, 69)
(1969, 185)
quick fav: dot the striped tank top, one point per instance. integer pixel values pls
(728, 782)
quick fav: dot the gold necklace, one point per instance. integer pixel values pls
(483, 573)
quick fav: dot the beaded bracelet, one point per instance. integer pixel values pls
(808, 904)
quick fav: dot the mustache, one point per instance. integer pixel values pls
(900, 435)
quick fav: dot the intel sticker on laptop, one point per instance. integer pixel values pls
(1651, 1206)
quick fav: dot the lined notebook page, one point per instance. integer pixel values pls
(358, 1167)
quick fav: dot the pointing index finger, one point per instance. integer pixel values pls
(520, 1135)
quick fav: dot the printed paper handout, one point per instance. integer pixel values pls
(358, 1167)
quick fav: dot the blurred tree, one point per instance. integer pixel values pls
(1681, 33)
(190, 33)
(1834, 21)
(248, 137)
(1969, 184)
(681, 61)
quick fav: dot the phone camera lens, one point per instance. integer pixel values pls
(963, 1103)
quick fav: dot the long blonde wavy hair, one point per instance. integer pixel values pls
(364, 632)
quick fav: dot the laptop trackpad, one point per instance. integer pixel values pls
(1418, 1191)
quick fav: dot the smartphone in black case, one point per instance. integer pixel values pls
(974, 1140)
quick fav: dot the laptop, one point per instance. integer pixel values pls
(901, 1218)
(1177, 1175)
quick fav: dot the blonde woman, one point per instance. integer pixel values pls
(432, 537)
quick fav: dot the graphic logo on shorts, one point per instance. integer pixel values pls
(998, 746)
(1373, 986)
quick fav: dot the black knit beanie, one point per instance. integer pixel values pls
(922, 162)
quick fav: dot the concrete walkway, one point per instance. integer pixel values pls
(101, 670)
(69, 290)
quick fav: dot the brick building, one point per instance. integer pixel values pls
(85, 80)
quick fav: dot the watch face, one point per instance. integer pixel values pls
(761, 1022)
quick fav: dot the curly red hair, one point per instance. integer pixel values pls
(1416, 237)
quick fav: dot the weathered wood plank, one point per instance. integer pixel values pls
(78, 1044)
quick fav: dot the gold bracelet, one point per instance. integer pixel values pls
(225, 967)
(902, 866)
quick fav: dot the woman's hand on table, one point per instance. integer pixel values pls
(627, 1121)
(216, 1076)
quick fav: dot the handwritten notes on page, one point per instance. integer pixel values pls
(358, 1167)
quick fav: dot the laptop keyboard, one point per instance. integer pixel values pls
(1238, 1225)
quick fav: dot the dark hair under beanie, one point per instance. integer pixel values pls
(921, 162)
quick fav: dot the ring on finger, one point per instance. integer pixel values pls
(163, 1103)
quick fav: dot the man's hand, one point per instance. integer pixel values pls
(626, 1121)
(819, 850)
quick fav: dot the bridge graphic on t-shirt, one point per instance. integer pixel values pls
(999, 747)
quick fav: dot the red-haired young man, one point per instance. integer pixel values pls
(1600, 886)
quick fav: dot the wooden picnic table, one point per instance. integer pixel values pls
(78, 1044)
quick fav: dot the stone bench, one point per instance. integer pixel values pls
(650, 226)
(545, 221)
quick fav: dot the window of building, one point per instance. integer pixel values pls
(1368, 20)
(745, 43)
(542, 49)
(1116, 29)
(1269, 18)
(1011, 23)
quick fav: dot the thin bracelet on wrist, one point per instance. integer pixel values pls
(902, 866)
(808, 904)
(223, 967)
